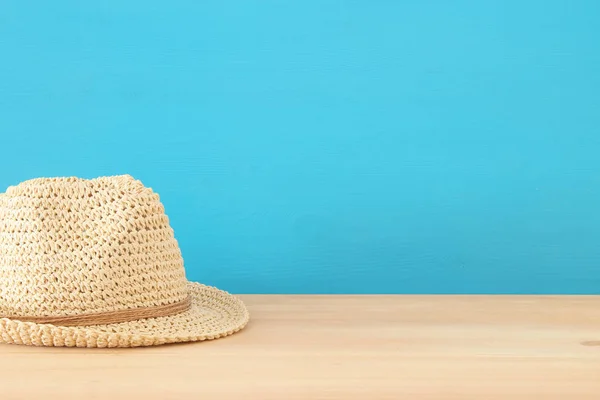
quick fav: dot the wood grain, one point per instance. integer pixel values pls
(344, 347)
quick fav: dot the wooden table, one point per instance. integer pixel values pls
(344, 347)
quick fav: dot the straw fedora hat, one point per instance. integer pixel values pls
(94, 263)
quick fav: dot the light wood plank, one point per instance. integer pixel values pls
(344, 347)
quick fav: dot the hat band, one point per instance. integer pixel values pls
(112, 317)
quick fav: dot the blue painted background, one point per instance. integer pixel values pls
(327, 146)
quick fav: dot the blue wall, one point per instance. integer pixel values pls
(327, 146)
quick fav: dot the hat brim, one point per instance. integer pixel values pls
(213, 314)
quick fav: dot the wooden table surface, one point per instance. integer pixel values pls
(344, 347)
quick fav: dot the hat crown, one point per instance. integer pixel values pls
(72, 246)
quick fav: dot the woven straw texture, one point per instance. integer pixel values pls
(71, 247)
